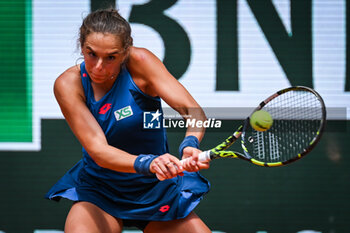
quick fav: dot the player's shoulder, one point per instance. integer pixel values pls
(142, 62)
(69, 79)
(69, 76)
(140, 55)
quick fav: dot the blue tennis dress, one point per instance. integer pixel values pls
(125, 115)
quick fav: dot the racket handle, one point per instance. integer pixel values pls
(202, 157)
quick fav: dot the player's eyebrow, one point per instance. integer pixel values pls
(88, 47)
(114, 52)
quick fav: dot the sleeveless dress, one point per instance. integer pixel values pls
(121, 114)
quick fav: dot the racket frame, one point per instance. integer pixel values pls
(220, 150)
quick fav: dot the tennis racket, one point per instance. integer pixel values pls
(299, 118)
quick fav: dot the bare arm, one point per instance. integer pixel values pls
(157, 81)
(70, 96)
(152, 76)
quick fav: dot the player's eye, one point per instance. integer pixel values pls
(111, 58)
(91, 54)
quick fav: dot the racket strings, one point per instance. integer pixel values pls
(297, 117)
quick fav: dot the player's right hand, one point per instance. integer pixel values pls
(190, 160)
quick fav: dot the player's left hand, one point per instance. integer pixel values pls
(193, 165)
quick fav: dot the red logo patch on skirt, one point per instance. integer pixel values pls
(164, 208)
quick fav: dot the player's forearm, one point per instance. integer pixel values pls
(197, 117)
(114, 159)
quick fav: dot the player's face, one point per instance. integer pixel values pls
(103, 55)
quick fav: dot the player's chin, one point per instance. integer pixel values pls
(98, 80)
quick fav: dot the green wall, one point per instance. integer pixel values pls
(15, 76)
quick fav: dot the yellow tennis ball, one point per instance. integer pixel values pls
(261, 120)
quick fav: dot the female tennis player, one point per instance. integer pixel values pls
(104, 100)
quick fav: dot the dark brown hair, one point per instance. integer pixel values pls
(106, 21)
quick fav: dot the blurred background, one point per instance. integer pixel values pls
(229, 54)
